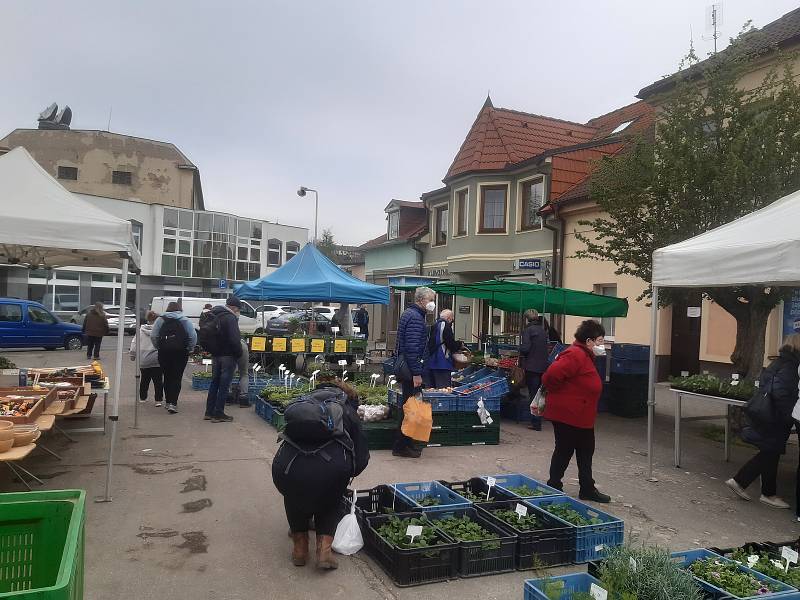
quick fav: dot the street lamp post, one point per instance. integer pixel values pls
(302, 192)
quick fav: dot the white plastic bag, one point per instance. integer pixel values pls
(348, 539)
(538, 402)
(796, 411)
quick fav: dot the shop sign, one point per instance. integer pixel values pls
(258, 344)
(279, 344)
(464, 310)
(791, 313)
(298, 344)
(441, 272)
(340, 346)
(693, 312)
(318, 346)
(529, 264)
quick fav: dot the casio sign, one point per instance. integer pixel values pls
(529, 263)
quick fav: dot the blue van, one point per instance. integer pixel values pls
(27, 324)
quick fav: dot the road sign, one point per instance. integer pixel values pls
(223, 284)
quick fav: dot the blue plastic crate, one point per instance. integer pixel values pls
(569, 584)
(631, 351)
(479, 374)
(470, 404)
(441, 401)
(412, 492)
(391, 397)
(557, 349)
(507, 480)
(591, 541)
(627, 366)
(264, 410)
(201, 383)
(686, 558)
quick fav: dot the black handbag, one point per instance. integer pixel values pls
(397, 366)
(760, 407)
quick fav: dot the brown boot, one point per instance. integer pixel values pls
(325, 559)
(300, 549)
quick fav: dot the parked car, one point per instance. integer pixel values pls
(266, 312)
(113, 318)
(192, 307)
(325, 311)
(27, 324)
(284, 324)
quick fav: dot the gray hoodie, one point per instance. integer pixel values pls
(148, 357)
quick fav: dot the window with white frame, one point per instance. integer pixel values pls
(531, 198)
(274, 253)
(608, 323)
(440, 224)
(394, 225)
(493, 209)
(136, 230)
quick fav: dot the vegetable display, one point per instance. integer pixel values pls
(564, 512)
(527, 523)
(472, 497)
(394, 532)
(727, 576)
(465, 529)
(525, 491)
(428, 501)
(12, 407)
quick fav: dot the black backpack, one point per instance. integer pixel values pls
(208, 336)
(317, 418)
(172, 336)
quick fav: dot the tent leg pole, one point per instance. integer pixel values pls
(114, 417)
(651, 383)
(138, 376)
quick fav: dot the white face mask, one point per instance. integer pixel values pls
(599, 350)
(431, 306)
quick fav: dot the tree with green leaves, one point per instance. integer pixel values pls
(327, 245)
(719, 153)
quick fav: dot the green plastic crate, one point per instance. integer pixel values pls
(380, 434)
(478, 435)
(42, 545)
(446, 420)
(446, 436)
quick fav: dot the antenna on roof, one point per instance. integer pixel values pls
(110, 110)
(714, 22)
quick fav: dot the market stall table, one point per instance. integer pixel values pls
(46, 423)
(728, 402)
(15, 455)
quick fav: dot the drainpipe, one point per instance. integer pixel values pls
(556, 276)
(419, 256)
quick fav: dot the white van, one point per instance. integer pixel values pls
(192, 307)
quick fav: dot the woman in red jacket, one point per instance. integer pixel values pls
(573, 388)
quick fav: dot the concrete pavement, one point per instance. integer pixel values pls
(195, 514)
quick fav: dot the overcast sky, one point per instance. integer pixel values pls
(365, 101)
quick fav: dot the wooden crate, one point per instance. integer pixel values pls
(31, 417)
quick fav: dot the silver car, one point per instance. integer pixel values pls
(113, 318)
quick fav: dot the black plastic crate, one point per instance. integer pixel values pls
(415, 566)
(627, 403)
(443, 436)
(477, 486)
(479, 435)
(552, 546)
(485, 557)
(380, 500)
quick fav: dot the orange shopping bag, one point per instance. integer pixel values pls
(417, 419)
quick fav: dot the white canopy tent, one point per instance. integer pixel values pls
(762, 248)
(44, 225)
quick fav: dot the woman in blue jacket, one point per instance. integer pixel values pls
(441, 347)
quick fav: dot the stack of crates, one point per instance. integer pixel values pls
(630, 367)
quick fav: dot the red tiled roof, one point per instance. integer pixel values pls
(570, 168)
(413, 221)
(640, 113)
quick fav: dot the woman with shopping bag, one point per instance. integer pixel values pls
(768, 423)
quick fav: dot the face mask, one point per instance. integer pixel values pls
(599, 350)
(431, 306)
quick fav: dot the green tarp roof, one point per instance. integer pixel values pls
(518, 296)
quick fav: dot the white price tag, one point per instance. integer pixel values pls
(735, 382)
(491, 482)
(735, 377)
(598, 593)
(360, 362)
(342, 363)
(414, 531)
(356, 329)
(521, 511)
(599, 548)
(207, 361)
(633, 564)
(257, 368)
(789, 554)
(752, 560)
(335, 329)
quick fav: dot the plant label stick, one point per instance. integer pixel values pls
(789, 555)
(521, 511)
(633, 564)
(490, 481)
(598, 593)
(752, 560)
(414, 531)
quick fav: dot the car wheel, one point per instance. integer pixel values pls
(259, 331)
(73, 343)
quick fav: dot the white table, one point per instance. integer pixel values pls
(727, 402)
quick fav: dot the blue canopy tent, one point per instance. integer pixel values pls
(311, 276)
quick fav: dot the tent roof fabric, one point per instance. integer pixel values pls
(43, 224)
(311, 276)
(760, 248)
(518, 296)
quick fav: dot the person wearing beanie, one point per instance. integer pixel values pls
(226, 352)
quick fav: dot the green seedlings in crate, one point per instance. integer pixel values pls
(645, 573)
(771, 567)
(394, 532)
(465, 529)
(472, 497)
(525, 491)
(728, 577)
(429, 501)
(564, 512)
(527, 523)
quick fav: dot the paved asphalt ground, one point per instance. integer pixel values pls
(195, 514)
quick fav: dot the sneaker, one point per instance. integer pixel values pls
(737, 489)
(158, 403)
(207, 417)
(172, 409)
(223, 418)
(773, 501)
(407, 452)
(595, 495)
(142, 400)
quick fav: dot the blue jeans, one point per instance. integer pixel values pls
(221, 377)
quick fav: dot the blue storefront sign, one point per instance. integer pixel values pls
(534, 264)
(791, 313)
(223, 284)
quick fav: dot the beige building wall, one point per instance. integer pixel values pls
(160, 173)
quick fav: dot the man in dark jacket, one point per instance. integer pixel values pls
(226, 356)
(412, 337)
(361, 320)
(533, 358)
(779, 381)
(95, 326)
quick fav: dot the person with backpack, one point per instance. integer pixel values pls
(323, 448)
(204, 314)
(174, 337)
(768, 423)
(442, 344)
(220, 336)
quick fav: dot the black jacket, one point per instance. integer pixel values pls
(772, 437)
(533, 348)
(230, 338)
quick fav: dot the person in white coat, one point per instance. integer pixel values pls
(148, 361)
